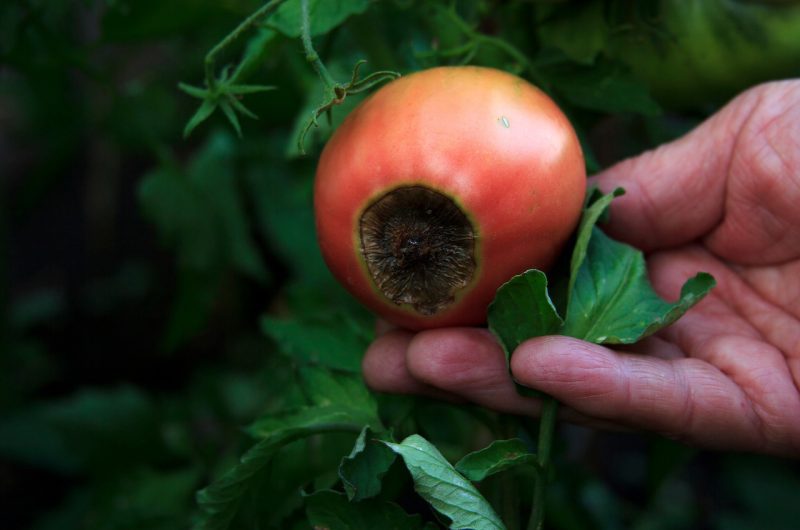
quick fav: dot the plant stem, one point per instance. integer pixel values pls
(311, 53)
(509, 499)
(262, 12)
(547, 424)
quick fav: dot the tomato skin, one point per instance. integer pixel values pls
(491, 141)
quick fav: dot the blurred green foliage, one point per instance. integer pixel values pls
(158, 294)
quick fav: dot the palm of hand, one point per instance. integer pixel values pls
(737, 371)
(746, 335)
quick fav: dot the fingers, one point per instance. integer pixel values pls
(761, 214)
(455, 364)
(686, 398)
(741, 401)
(470, 363)
(676, 193)
(384, 367)
(463, 363)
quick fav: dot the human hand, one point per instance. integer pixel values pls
(724, 199)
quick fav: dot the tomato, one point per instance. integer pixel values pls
(440, 187)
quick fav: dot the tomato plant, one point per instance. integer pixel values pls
(174, 351)
(440, 187)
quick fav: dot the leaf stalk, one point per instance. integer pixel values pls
(547, 424)
(311, 54)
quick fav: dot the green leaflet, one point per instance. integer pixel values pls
(362, 470)
(522, 309)
(219, 501)
(498, 456)
(324, 15)
(318, 340)
(445, 488)
(612, 300)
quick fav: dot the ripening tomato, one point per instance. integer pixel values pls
(440, 187)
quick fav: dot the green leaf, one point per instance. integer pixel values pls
(361, 471)
(248, 89)
(612, 301)
(219, 501)
(213, 175)
(324, 15)
(199, 211)
(596, 207)
(330, 510)
(225, 96)
(200, 93)
(229, 113)
(325, 387)
(578, 30)
(522, 309)
(239, 107)
(593, 194)
(278, 192)
(325, 342)
(444, 488)
(206, 109)
(353, 417)
(603, 88)
(499, 456)
(263, 42)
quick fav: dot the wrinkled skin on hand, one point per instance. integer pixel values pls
(724, 199)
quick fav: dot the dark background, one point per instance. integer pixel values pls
(135, 265)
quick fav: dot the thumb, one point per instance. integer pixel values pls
(676, 193)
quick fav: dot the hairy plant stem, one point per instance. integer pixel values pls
(334, 92)
(311, 54)
(547, 424)
(261, 13)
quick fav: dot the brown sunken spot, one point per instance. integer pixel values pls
(419, 247)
